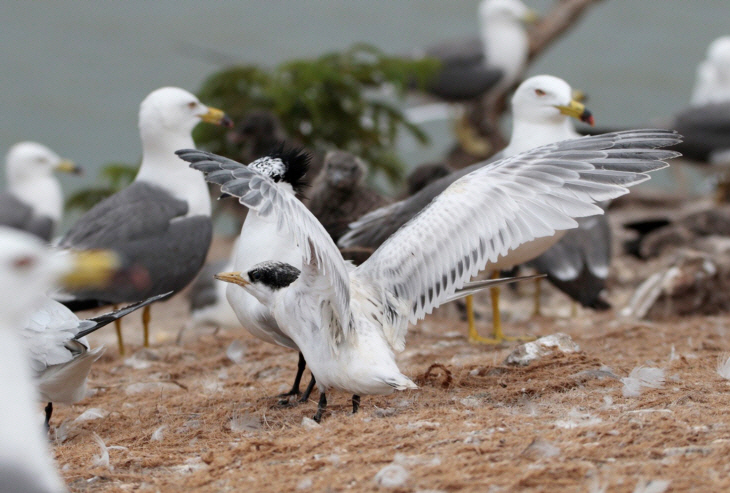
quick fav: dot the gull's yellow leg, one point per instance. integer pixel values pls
(469, 138)
(474, 336)
(499, 336)
(118, 328)
(146, 325)
(538, 291)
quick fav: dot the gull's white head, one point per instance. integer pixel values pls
(176, 111)
(504, 36)
(513, 11)
(29, 168)
(27, 270)
(263, 281)
(547, 99)
(712, 84)
(27, 161)
(718, 53)
(284, 166)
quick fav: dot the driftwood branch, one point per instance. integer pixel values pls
(485, 114)
(563, 15)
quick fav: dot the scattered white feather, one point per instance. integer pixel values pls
(142, 387)
(723, 366)
(310, 424)
(641, 377)
(541, 449)
(235, 351)
(92, 414)
(102, 459)
(304, 484)
(577, 419)
(245, 422)
(158, 434)
(652, 486)
(392, 476)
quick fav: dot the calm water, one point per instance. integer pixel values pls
(74, 73)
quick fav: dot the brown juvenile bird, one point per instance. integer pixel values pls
(339, 196)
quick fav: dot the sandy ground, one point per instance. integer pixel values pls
(202, 416)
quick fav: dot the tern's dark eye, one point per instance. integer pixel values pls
(256, 276)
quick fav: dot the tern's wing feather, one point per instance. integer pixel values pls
(261, 194)
(494, 209)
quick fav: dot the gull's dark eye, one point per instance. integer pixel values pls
(24, 262)
(192, 105)
(539, 92)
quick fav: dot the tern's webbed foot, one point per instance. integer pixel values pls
(355, 403)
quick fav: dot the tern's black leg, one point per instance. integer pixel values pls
(301, 365)
(355, 403)
(49, 411)
(308, 390)
(320, 407)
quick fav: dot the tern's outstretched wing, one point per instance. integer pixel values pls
(261, 194)
(494, 209)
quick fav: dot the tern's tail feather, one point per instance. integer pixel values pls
(473, 287)
(66, 382)
(401, 382)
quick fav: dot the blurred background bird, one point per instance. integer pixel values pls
(33, 201)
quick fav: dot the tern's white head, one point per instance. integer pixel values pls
(264, 280)
(29, 168)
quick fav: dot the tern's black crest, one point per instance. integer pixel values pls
(276, 275)
(294, 165)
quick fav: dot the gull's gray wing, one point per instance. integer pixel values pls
(148, 227)
(203, 291)
(261, 194)
(494, 209)
(463, 73)
(705, 129)
(578, 263)
(16, 214)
